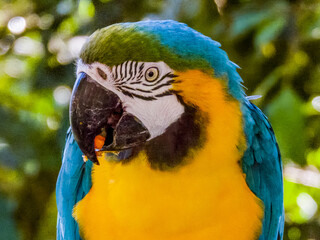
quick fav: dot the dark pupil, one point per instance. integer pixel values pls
(150, 74)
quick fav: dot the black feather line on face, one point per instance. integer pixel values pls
(141, 90)
(140, 75)
(116, 73)
(136, 89)
(143, 97)
(123, 86)
(166, 93)
(130, 71)
(163, 85)
(141, 67)
(136, 82)
(122, 70)
(134, 95)
(126, 73)
(135, 68)
(125, 92)
(126, 70)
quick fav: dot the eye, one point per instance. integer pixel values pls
(152, 74)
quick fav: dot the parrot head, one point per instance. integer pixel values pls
(138, 81)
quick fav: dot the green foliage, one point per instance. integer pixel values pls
(275, 42)
(288, 120)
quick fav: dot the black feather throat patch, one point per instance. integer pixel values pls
(170, 149)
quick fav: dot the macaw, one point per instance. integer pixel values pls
(176, 149)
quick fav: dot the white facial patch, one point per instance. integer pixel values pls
(144, 89)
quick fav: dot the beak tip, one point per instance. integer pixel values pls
(96, 162)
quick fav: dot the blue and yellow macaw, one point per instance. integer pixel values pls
(180, 151)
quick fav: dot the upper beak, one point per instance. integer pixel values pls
(95, 110)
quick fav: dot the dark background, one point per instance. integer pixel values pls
(276, 43)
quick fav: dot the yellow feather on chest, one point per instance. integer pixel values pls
(207, 198)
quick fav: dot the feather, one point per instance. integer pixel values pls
(253, 97)
(263, 168)
(74, 182)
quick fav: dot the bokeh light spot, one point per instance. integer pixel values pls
(56, 44)
(309, 177)
(14, 67)
(28, 47)
(268, 50)
(64, 57)
(31, 167)
(52, 123)
(4, 47)
(86, 9)
(294, 233)
(17, 25)
(3, 18)
(301, 58)
(316, 33)
(32, 20)
(316, 103)
(46, 21)
(62, 95)
(75, 44)
(64, 7)
(5, 43)
(307, 205)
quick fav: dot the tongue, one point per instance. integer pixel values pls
(99, 142)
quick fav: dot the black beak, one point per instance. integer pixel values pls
(94, 110)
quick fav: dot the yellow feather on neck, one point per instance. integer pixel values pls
(207, 198)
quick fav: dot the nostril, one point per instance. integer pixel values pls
(102, 74)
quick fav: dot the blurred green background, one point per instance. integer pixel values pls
(277, 44)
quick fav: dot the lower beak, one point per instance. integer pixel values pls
(94, 110)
